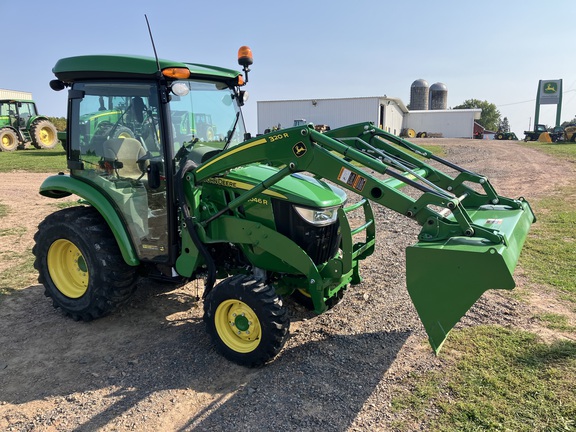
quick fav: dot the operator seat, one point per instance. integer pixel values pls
(125, 154)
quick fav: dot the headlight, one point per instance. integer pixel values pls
(318, 217)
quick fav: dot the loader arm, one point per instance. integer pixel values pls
(470, 238)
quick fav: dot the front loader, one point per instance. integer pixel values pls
(258, 219)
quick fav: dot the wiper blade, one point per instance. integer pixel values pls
(231, 132)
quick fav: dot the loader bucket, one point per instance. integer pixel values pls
(444, 279)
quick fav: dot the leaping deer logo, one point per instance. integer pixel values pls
(550, 88)
(299, 149)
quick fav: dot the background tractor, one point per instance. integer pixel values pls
(505, 136)
(21, 124)
(257, 219)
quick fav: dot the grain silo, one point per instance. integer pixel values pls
(438, 96)
(419, 93)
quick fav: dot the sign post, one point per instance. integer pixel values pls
(549, 93)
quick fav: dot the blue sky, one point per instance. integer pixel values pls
(489, 50)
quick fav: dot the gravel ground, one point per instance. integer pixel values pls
(150, 366)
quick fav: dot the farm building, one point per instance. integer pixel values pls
(388, 113)
(13, 94)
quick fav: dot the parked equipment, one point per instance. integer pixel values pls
(21, 124)
(570, 133)
(505, 136)
(542, 134)
(254, 213)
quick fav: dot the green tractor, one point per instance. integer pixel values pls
(256, 218)
(21, 124)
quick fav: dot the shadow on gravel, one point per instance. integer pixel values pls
(105, 368)
(321, 385)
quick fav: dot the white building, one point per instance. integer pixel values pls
(14, 94)
(385, 112)
(457, 123)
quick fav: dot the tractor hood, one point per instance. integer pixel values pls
(297, 188)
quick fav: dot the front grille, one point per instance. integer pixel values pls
(319, 242)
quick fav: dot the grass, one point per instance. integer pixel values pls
(503, 380)
(549, 255)
(508, 380)
(53, 160)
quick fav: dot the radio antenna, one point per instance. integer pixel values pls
(152, 40)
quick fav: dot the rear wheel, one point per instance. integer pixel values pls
(80, 264)
(8, 140)
(44, 134)
(246, 319)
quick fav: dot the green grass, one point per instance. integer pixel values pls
(53, 160)
(549, 255)
(503, 380)
(556, 322)
(3, 210)
(565, 151)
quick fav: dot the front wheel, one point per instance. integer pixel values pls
(8, 140)
(246, 320)
(80, 265)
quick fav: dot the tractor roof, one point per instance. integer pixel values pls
(128, 66)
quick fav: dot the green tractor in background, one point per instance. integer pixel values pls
(257, 218)
(20, 124)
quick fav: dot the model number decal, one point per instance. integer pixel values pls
(278, 137)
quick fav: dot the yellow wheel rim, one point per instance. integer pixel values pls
(238, 326)
(8, 142)
(124, 135)
(68, 268)
(304, 293)
(46, 135)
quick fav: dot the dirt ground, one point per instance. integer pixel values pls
(150, 366)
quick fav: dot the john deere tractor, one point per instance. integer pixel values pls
(20, 124)
(256, 218)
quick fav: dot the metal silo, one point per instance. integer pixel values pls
(419, 93)
(438, 96)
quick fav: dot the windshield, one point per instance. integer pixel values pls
(207, 114)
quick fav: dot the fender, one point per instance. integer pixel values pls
(62, 185)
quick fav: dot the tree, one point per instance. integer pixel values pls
(504, 125)
(490, 117)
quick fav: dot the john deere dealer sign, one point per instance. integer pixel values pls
(550, 91)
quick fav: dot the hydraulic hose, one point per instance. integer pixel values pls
(211, 267)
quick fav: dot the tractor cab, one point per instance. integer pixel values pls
(16, 113)
(126, 144)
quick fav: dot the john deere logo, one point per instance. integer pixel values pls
(550, 88)
(299, 149)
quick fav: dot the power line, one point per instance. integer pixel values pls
(531, 100)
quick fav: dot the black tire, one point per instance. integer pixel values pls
(8, 140)
(80, 265)
(44, 134)
(499, 136)
(573, 138)
(123, 132)
(246, 320)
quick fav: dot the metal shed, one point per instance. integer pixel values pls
(383, 111)
(457, 123)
